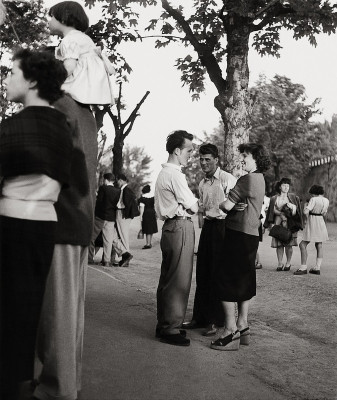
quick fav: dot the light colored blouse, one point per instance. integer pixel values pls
(30, 197)
(318, 205)
(89, 83)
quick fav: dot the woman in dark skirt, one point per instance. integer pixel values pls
(235, 280)
(147, 216)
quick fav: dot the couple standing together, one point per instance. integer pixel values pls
(225, 272)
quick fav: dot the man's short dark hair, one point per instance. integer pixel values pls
(71, 14)
(316, 189)
(209, 148)
(42, 67)
(109, 177)
(176, 140)
(122, 177)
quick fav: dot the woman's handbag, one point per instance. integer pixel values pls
(281, 233)
(140, 234)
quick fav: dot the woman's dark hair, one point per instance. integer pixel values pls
(71, 14)
(209, 148)
(42, 67)
(279, 183)
(259, 154)
(316, 189)
(146, 189)
(176, 140)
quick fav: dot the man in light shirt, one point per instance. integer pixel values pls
(175, 203)
(213, 189)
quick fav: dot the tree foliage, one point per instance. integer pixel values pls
(282, 121)
(25, 25)
(136, 166)
(215, 29)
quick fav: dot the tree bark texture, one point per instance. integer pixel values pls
(233, 102)
(117, 151)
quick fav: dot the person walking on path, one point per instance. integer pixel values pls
(275, 215)
(174, 203)
(127, 209)
(35, 162)
(213, 190)
(105, 220)
(147, 216)
(235, 279)
(314, 230)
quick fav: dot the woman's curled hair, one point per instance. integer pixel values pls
(259, 154)
(42, 67)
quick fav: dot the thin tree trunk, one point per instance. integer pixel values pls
(117, 151)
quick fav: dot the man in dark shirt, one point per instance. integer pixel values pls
(105, 218)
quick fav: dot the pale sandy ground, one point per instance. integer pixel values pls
(292, 354)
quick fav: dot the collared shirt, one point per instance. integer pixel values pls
(213, 191)
(120, 203)
(172, 194)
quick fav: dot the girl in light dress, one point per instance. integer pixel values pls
(315, 228)
(88, 69)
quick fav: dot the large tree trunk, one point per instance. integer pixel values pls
(233, 103)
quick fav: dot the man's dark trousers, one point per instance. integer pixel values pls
(207, 309)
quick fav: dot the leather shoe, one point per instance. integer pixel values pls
(126, 257)
(159, 335)
(176, 340)
(192, 325)
(301, 272)
(314, 271)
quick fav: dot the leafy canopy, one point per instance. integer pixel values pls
(206, 25)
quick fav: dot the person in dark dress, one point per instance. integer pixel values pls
(147, 216)
(235, 279)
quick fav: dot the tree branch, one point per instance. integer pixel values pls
(275, 9)
(264, 9)
(204, 51)
(132, 117)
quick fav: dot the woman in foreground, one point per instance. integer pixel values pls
(235, 281)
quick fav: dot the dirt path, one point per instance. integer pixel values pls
(293, 322)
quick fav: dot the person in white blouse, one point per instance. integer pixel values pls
(315, 229)
(175, 203)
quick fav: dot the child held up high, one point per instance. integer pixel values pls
(88, 69)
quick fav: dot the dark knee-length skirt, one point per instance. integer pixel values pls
(235, 278)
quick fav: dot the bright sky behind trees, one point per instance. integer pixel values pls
(169, 106)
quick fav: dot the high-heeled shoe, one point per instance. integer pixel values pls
(280, 268)
(229, 342)
(245, 336)
(287, 268)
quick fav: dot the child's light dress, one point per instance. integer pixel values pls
(89, 83)
(315, 228)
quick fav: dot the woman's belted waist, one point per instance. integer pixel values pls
(177, 217)
(317, 215)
